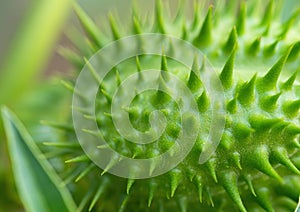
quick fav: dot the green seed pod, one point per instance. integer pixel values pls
(259, 148)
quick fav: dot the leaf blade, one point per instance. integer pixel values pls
(39, 187)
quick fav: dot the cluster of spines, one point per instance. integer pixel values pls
(201, 37)
(259, 158)
(258, 90)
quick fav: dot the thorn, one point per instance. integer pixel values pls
(81, 110)
(86, 197)
(138, 150)
(241, 19)
(236, 157)
(124, 203)
(241, 130)
(159, 17)
(203, 66)
(269, 81)
(292, 130)
(94, 133)
(232, 106)
(195, 22)
(130, 183)
(71, 56)
(191, 173)
(153, 165)
(253, 48)
(152, 187)
(246, 94)
(229, 181)
(101, 189)
(263, 199)
(288, 24)
(280, 155)
(268, 103)
(199, 186)
(113, 26)
(195, 65)
(138, 64)
(134, 9)
(249, 183)
(269, 50)
(90, 28)
(113, 161)
(134, 112)
(262, 123)
(267, 29)
(164, 67)
(85, 172)
(204, 37)
(291, 108)
(288, 84)
(107, 95)
(203, 102)
(79, 42)
(108, 115)
(180, 12)
(55, 154)
(209, 196)
(118, 78)
(211, 166)
(173, 130)
(72, 145)
(81, 158)
(226, 141)
(280, 126)
(92, 71)
(136, 26)
(194, 82)
(175, 176)
(294, 52)
(138, 69)
(161, 97)
(184, 34)
(232, 41)
(295, 144)
(67, 85)
(268, 14)
(70, 176)
(91, 46)
(259, 159)
(64, 127)
(226, 75)
(103, 146)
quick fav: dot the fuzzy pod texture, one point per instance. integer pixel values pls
(256, 165)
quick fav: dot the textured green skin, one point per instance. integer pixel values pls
(246, 172)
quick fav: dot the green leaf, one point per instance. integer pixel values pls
(39, 187)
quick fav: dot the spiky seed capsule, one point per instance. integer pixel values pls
(262, 124)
